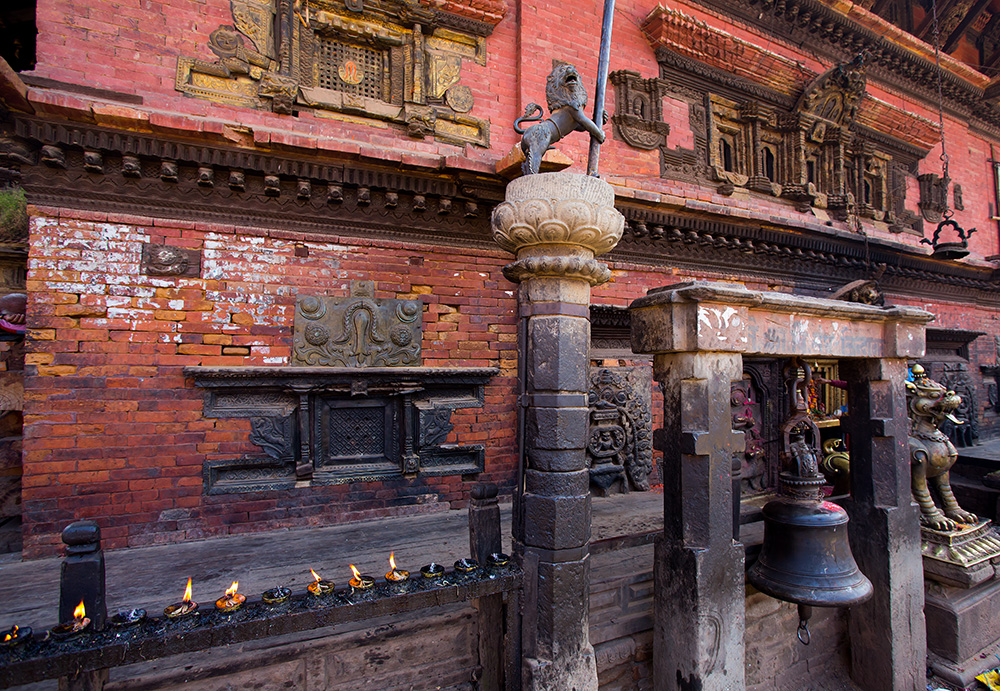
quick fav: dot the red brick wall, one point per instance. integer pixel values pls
(115, 432)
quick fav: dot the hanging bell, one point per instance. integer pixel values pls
(806, 557)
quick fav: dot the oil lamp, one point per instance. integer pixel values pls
(275, 596)
(466, 565)
(183, 608)
(396, 575)
(319, 586)
(497, 559)
(432, 570)
(128, 617)
(16, 635)
(360, 582)
(232, 600)
(71, 628)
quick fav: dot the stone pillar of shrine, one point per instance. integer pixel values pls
(888, 634)
(698, 334)
(555, 224)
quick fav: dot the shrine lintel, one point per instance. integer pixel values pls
(728, 317)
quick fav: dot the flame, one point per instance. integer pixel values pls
(233, 588)
(187, 592)
(10, 634)
(392, 560)
(315, 576)
(357, 574)
(80, 612)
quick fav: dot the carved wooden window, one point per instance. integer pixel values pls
(357, 438)
(351, 69)
(768, 160)
(398, 62)
(812, 166)
(727, 152)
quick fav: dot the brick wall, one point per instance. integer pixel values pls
(115, 432)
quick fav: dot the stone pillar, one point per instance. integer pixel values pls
(698, 566)
(888, 638)
(556, 223)
(82, 574)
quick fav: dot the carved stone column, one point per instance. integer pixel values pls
(556, 223)
(888, 639)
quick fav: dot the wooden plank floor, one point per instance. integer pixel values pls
(153, 577)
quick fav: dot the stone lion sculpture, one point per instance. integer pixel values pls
(566, 98)
(931, 452)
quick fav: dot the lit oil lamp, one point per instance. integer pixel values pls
(360, 582)
(275, 596)
(232, 600)
(184, 607)
(432, 570)
(396, 576)
(71, 628)
(16, 635)
(319, 586)
(466, 565)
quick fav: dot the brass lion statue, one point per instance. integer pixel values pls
(566, 99)
(931, 452)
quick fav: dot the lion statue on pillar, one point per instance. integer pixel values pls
(566, 98)
(931, 452)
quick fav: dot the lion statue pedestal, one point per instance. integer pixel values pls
(957, 546)
(960, 550)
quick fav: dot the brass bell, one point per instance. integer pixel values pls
(806, 557)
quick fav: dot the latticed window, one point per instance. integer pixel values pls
(349, 68)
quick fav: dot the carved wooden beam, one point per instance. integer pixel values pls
(970, 17)
(926, 26)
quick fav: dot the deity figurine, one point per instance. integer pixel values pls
(931, 452)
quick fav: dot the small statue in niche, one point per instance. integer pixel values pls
(566, 99)
(931, 452)
(803, 454)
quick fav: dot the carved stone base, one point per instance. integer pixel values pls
(960, 558)
(963, 630)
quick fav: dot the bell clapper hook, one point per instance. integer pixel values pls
(805, 612)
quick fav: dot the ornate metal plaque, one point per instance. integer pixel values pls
(167, 260)
(356, 332)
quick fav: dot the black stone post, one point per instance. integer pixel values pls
(82, 579)
(484, 539)
(698, 565)
(556, 223)
(82, 574)
(888, 638)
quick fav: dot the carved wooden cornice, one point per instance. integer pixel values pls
(486, 12)
(842, 37)
(289, 196)
(700, 244)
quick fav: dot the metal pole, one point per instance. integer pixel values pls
(602, 80)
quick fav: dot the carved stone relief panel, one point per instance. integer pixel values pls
(356, 332)
(619, 447)
(393, 61)
(947, 362)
